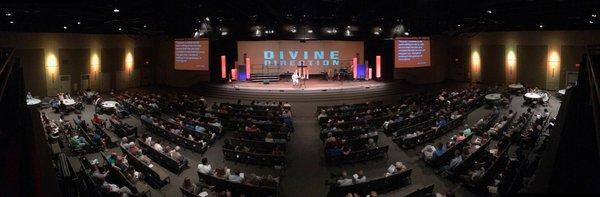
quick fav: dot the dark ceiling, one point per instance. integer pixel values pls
(179, 18)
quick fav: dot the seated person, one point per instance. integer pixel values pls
(189, 186)
(236, 177)
(428, 152)
(175, 155)
(158, 147)
(204, 167)
(395, 168)
(359, 177)
(343, 180)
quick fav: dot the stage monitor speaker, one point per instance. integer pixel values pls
(266, 81)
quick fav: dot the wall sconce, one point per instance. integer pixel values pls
(511, 63)
(129, 63)
(475, 64)
(95, 65)
(51, 65)
(553, 61)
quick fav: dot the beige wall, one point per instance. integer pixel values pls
(533, 50)
(73, 56)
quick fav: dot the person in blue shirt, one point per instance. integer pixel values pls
(439, 151)
(199, 129)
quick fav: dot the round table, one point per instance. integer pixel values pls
(515, 86)
(562, 91)
(109, 104)
(493, 96)
(533, 96)
(68, 102)
(33, 101)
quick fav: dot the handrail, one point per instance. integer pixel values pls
(2, 70)
(594, 92)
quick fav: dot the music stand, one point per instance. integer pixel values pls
(302, 82)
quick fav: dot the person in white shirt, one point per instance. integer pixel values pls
(236, 177)
(158, 147)
(204, 167)
(344, 180)
(359, 177)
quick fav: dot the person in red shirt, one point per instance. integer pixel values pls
(97, 120)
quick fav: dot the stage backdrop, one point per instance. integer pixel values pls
(191, 54)
(412, 52)
(280, 56)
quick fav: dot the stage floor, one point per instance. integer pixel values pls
(309, 85)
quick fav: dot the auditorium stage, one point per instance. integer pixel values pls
(308, 85)
(316, 90)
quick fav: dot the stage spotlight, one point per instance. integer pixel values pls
(207, 19)
(257, 31)
(145, 26)
(116, 10)
(398, 30)
(310, 31)
(223, 31)
(120, 29)
(377, 31)
(347, 33)
(406, 33)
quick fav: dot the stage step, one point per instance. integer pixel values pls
(263, 77)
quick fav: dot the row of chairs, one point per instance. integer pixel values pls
(379, 185)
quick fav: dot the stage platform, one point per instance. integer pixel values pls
(315, 90)
(309, 85)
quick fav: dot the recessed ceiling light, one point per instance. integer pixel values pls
(12, 22)
(8, 14)
(591, 22)
(64, 27)
(458, 25)
(489, 11)
(120, 29)
(406, 33)
(541, 26)
(145, 26)
(79, 22)
(310, 31)
(116, 10)
(594, 15)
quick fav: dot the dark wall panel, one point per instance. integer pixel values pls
(458, 69)
(492, 64)
(113, 61)
(531, 65)
(34, 70)
(570, 55)
(74, 62)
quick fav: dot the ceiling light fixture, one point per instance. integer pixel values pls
(12, 22)
(64, 27)
(8, 14)
(116, 10)
(541, 26)
(79, 22)
(489, 11)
